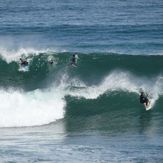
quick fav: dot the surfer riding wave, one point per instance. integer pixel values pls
(144, 99)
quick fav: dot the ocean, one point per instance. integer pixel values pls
(90, 113)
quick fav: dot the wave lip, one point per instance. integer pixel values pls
(14, 55)
(120, 81)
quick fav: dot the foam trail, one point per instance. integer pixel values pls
(30, 109)
(113, 82)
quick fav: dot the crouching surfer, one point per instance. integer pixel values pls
(144, 99)
(23, 62)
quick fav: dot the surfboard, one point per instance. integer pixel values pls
(74, 65)
(24, 68)
(150, 105)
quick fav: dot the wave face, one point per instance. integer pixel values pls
(101, 83)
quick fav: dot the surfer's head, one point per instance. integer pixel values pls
(141, 91)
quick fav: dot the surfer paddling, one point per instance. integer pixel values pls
(144, 99)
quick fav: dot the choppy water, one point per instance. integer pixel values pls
(89, 113)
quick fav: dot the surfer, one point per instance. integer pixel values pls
(144, 99)
(74, 60)
(23, 62)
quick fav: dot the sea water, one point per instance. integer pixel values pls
(89, 113)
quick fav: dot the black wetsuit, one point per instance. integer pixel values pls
(24, 63)
(73, 61)
(143, 99)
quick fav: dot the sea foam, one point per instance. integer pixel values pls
(30, 109)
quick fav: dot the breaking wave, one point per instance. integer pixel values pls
(41, 94)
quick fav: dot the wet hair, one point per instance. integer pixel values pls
(142, 93)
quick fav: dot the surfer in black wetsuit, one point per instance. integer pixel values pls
(74, 60)
(23, 62)
(143, 99)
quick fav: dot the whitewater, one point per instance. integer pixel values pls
(90, 113)
(44, 105)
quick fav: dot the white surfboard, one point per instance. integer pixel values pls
(74, 65)
(23, 68)
(150, 105)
